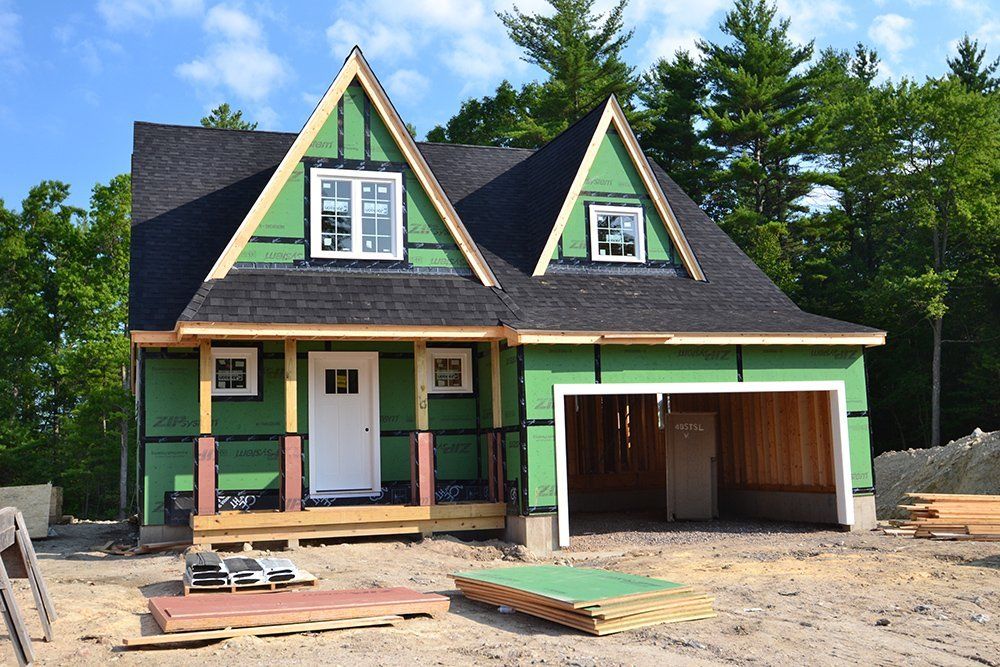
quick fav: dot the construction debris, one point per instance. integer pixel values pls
(222, 610)
(18, 561)
(948, 516)
(595, 601)
(229, 633)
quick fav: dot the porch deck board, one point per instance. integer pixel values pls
(351, 521)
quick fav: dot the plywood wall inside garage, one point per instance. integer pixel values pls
(778, 441)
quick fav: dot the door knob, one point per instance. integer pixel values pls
(367, 429)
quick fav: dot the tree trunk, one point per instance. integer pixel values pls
(936, 384)
(123, 458)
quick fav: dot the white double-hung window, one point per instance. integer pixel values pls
(616, 233)
(356, 214)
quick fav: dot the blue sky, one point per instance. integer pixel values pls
(75, 74)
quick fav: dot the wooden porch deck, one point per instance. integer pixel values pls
(347, 521)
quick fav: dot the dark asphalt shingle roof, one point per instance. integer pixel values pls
(193, 186)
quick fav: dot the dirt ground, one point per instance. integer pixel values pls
(785, 595)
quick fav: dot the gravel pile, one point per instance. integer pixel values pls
(967, 465)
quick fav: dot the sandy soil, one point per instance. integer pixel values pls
(786, 594)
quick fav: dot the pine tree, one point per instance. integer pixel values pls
(580, 50)
(672, 93)
(224, 118)
(967, 66)
(760, 114)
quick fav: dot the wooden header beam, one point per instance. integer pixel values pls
(537, 337)
(205, 387)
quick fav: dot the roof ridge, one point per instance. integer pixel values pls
(451, 143)
(211, 129)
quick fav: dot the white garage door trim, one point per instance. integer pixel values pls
(838, 408)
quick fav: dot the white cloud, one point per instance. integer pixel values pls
(377, 40)
(266, 117)
(10, 40)
(407, 85)
(238, 60)
(232, 23)
(122, 14)
(892, 32)
(811, 18)
(673, 25)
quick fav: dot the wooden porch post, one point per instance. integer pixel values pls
(205, 471)
(494, 442)
(290, 464)
(422, 441)
(420, 383)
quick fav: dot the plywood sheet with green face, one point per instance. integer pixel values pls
(509, 387)
(456, 456)
(797, 363)
(575, 586)
(668, 363)
(548, 365)
(541, 466)
(861, 453)
(613, 179)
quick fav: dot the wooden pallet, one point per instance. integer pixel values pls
(304, 580)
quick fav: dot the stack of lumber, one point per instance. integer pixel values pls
(595, 601)
(949, 516)
(221, 615)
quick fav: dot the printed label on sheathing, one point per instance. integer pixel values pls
(706, 353)
(846, 353)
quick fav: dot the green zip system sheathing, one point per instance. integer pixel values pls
(545, 366)
(613, 179)
(171, 413)
(280, 237)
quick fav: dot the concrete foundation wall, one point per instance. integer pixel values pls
(539, 534)
(779, 505)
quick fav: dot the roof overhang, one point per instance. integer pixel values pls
(188, 333)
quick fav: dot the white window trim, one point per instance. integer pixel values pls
(463, 353)
(640, 234)
(355, 177)
(247, 353)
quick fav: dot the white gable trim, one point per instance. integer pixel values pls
(613, 114)
(355, 66)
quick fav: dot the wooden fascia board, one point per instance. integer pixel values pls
(613, 114)
(424, 174)
(663, 208)
(574, 191)
(340, 332)
(354, 66)
(537, 337)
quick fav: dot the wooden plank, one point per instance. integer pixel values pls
(204, 476)
(347, 515)
(290, 490)
(205, 387)
(422, 468)
(495, 383)
(214, 612)
(291, 386)
(541, 337)
(39, 591)
(420, 372)
(289, 628)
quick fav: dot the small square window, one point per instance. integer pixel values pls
(449, 370)
(234, 371)
(341, 380)
(616, 234)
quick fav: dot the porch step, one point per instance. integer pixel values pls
(351, 521)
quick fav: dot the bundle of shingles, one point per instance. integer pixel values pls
(950, 516)
(595, 601)
(207, 571)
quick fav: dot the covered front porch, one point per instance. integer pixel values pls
(342, 485)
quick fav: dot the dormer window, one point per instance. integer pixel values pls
(616, 233)
(356, 214)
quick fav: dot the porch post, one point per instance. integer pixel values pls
(494, 441)
(290, 464)
(420, 383)
(205, 463)
(421, 441)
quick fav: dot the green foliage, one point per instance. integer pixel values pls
(65, 296)
(967, 66)
(224, 118)
(579, 50)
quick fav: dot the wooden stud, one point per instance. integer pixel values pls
(204, 476)
(420, 372)
(289, 628)
(291, 386)
(205, 387)
(495, 380)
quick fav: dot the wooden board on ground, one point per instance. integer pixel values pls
(952, 516)
(302, 580)
(221, 610)
(287, 629)
(34, 501)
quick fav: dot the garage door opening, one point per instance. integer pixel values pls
(745, 450)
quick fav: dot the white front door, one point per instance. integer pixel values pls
(343, 424)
